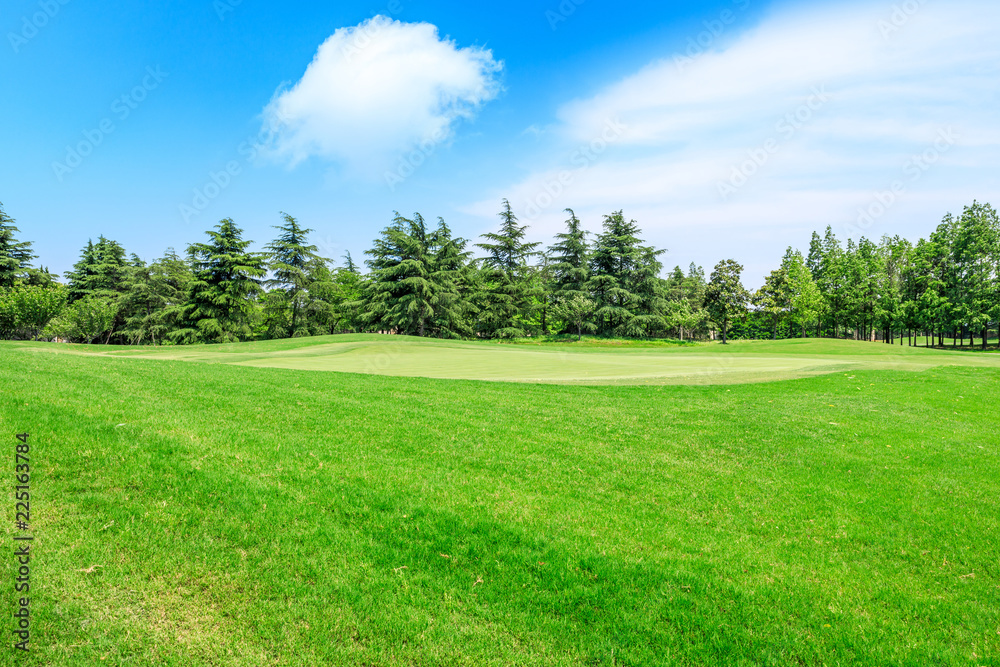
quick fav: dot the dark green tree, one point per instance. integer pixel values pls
(569, 260)
(227, 281)
(413, 288)
(101, 271)
(15, 256)
(155, 297)
(506, 294)
(290, 258)
(624, 281)
(725, 297)
(976, 238)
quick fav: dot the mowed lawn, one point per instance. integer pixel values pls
(591, 362)
(219, 514)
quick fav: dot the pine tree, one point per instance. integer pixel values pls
(349, 264)
(414, 284)
(15, 256)
(154, 300)
(226, 283)
(625, 281)
(290, 258)
(569, 260)
(100, 272)
(506, 294)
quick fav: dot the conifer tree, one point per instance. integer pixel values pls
(100, 272)
(226, 283)
(506, 292)
(290, 258)
(15, 256)
(154, 300)
(624, 283)
(414, 285)
(569, 260)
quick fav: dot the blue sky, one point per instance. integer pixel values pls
(726, 129)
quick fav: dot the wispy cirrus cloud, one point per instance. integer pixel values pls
(810, 111)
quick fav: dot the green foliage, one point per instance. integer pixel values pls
(725, 297)
(624, 283)
(15, 256)
(154, 298)
(26, 310)
(569, 259)
(102, 271)
(227, 281)
(977, 235)
(774, 298)
(86, 320)
(576, 310)
(416, 282)
(805, 302)
(423, 282)
(290, 260)
(506, 293)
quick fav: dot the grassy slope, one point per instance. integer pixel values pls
(195, 514)
(591, 362)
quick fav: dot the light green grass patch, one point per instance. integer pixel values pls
(562, 363)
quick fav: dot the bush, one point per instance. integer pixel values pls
(85, 319)
(26, 310)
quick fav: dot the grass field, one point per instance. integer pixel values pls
(249, 510)
(591, 362)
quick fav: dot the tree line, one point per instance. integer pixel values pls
(420, 279)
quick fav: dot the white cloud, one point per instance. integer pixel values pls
(881, 86)
(377, 89)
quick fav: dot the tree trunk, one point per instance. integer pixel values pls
(725, 328)
(985, 336)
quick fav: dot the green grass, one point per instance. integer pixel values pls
(226, 514)
(591, 362)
